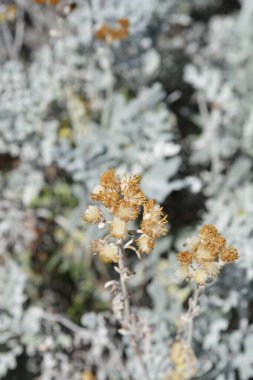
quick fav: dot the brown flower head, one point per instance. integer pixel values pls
(185, 257)
(110, 198)
(131, 191)
(229, 255)
(154, 223)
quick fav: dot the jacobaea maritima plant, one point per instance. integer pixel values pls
(200, 264)
(121, 201)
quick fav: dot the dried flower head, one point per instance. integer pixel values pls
(200, 276)
(229, 255)
(109, 198)
(205, 255)
(185, 258)
(110, 180)
(118, 228)
(126, 210)
(145, 244)
(88, 375)
(109, 34)
(108, 253)
(131, 190)
(154, 221)
(183, 360)
(93, 215)
(8, 12)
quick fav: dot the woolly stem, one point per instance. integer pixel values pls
(123, 284)
(192, 312)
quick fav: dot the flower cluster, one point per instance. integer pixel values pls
(108, 34)
(123, 200)
(205, 255)
(8, 12)
(183, 361)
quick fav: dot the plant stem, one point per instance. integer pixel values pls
(123, 284)
(125, 293)
(193, 303)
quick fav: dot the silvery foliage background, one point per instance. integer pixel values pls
(83, 107)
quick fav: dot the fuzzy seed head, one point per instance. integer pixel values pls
(145, 244)
(109, 253)
(92, 215)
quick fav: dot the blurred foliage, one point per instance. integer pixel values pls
(172, 102)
